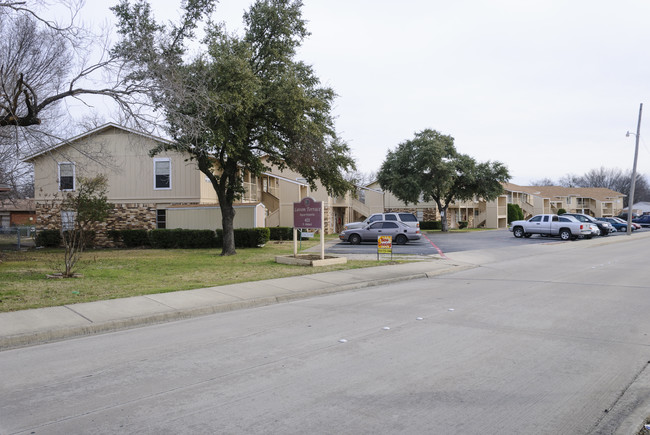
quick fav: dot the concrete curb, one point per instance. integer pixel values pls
(64, 332)
(630, 410)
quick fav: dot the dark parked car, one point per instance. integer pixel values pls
(624, 216)
(618, 224)
(643, 220)
(604, 226)
(400, 232)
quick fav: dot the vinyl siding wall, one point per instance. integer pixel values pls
(124, 158)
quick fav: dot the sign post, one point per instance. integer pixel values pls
(308, 214)
(385, 246)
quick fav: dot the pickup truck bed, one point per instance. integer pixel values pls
(566, 227)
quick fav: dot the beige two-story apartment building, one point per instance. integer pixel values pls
(339, 210)
(168, 190)
(593, 201)
(533, 200)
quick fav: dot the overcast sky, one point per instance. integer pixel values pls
(546, 87)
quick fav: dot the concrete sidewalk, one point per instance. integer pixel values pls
(22, 328)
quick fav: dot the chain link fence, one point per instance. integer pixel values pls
(16, 238)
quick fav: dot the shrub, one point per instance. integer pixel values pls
(251, 237)
(162, 239)
(49, 238)
(515, 213)
(281, 233)
(183, 239)
(88, 237)
(462, 224)
(130, 238)
(196, 239)
(135, 238)
(114, 235)
(431, 225)
(561, 211)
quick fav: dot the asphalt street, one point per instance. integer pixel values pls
(546, 338)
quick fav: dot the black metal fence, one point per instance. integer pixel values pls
(16, 238)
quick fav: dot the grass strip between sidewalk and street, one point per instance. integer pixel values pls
(120, 273)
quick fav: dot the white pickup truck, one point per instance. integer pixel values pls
(567, 227)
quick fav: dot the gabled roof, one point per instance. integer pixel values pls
(18, 205)
(599, 193)
(551, 192)
(531, 190)
(92, 132)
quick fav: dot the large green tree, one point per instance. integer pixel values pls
(428, 167)
(241, 100)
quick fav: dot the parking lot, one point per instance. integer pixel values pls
(437, 242)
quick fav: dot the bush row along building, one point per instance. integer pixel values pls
(168, 191)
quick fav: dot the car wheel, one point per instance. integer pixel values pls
(401, 239)
(354, 239)
(623, 229)
(565, 234)
(518, 232)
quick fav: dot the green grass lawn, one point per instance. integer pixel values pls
(112, 273)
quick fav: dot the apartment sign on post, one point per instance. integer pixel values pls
(307, 214)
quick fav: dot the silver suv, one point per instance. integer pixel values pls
(406, 218)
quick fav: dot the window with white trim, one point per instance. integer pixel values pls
(161, 218)
(67, 220)
(162, 174)
(66, 176)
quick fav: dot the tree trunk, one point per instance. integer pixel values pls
(227, 223)
(443, 217)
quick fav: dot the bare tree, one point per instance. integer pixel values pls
(543, 182)
(361, 178)
(48, 57)
(43, 62)
(571, 180)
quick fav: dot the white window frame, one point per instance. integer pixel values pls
(74, 176)
(162, 159)
(68, 218)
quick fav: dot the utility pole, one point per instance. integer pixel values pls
(630, 200)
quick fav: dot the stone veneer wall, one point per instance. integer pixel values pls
(329, 219)
(122, 217)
